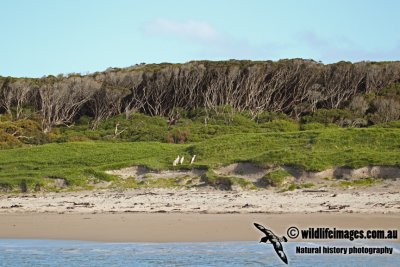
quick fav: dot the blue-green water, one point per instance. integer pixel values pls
(76, 253)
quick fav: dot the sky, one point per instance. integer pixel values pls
(50, 37)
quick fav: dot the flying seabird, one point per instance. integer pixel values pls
(274, 240)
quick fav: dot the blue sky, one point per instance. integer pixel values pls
(45, 37)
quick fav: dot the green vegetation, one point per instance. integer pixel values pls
(294, 186)
(275, 178)
(307, 185)
(161, 183)
(220, 182)
(224, 182)
(311, 150)
(148, 182)
(62, 132)
(77, 156)
(34, 167)
(360, 182)
(79, 162)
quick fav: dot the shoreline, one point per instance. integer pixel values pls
(177, 227)
(202, 215)
(382, 198)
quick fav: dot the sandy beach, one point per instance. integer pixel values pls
(141, 227)
(180, 215)
(382, 199)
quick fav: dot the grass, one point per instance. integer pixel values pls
(28, 167)
(311, 150)
(243, 183)
(76, 162)
(307, 185)
(132, 182)
(216, 181)
(275, 178)
(360, 182)
(294, 186)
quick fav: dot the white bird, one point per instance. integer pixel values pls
(194, 156)
(182, 159)
(176, 161)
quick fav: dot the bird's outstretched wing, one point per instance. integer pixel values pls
(279, 250)
(263, 229)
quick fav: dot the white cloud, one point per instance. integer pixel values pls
(211, 43)
(342, 48)
(312, 39)
(197, 31)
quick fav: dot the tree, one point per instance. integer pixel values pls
(106, 102)
(386, 110)
(6, 96)
(359, 105)
(21, 93)
(62, 100)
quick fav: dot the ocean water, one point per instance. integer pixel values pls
(76, 253)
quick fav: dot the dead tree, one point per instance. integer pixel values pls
(105, 103)
(62, 100)
(6, 96)
(21, 92)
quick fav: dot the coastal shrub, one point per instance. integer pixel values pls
(221, 115)
(275, 178)
(197, 114)
(8, 141)
(200, 133)
(91, 173)
(317, 126)
(177, 136)
(292, 187)
(326, 116)
(26, 131)
(281, 126)
(84, 120)
(242, 182)
(5, 117)
(144, 134)
(138, 127)
(163, 183)
(242, 120)
(17, 184)
(23, 186)
(360, 182)
(5, 185)
(307, 185)
(385, 110)
(33, 132)
(269, 116)
(359, 105)
(219, 182)
(131, 182)
(78, 138)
